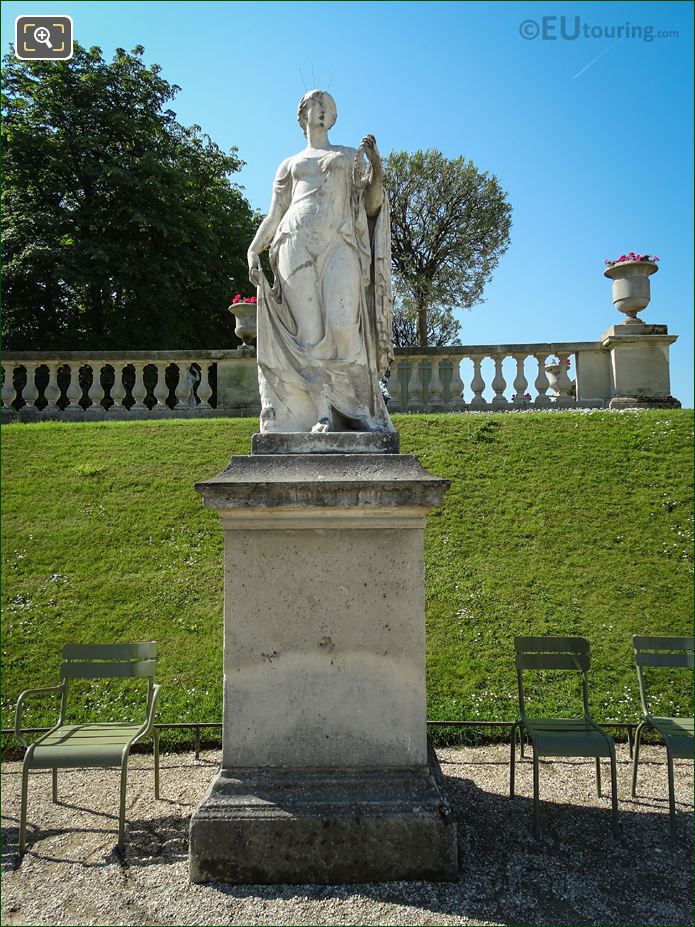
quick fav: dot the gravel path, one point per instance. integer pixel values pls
(576, 874)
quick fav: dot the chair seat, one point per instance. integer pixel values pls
(678, 734)
(567, 737)
(83, 745)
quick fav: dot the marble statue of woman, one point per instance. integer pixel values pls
(325, 327)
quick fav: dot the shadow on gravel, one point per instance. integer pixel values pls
(577, 873)
(155, 841)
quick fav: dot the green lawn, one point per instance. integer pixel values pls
(572, 524)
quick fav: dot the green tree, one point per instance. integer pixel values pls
(442, 326)
(122, 228)
(450, 225)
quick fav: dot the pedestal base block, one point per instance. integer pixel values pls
(643, 402)
(265, 826)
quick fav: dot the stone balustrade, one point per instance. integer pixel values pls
(488, 378)
(98, 385)
(95, 386)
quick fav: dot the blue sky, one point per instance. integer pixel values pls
(591, 137)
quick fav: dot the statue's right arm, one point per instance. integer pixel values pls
(269, 226)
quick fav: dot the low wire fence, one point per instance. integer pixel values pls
(197, 728)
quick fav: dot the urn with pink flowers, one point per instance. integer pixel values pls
(630, 275)
(244, 311)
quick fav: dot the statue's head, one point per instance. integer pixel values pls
(317, 107)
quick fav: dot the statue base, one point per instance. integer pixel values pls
(326, 774)
(643, 402)
(329, 442)
(324, 826)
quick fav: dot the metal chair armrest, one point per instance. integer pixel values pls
(149, 721)
(20, 705)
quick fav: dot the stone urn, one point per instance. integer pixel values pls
(553, 373)
(245, 316)
(631, 287)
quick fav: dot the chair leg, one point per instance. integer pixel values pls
(614, 792)
(671, 793)
(536, 827)
(598, 777)
(156, 763)
(23, 812)
(121, 812)
(521, 741)
(55, 784)
(635, 758)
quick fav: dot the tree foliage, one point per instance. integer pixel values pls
(122, 228)
(442, 326)
(450, 225)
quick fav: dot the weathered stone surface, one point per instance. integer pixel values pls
(324, 608)
(332, 442)
(323, 480)
(325, 767)
(324, 826)
(643, 402)
(639, 364)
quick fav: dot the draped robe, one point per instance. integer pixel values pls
(325, 327)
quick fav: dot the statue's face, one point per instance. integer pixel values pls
(321, 110)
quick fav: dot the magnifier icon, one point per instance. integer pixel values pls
(41, 34)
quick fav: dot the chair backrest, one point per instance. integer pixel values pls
(666, 652)
(552, 653)
(108, 661)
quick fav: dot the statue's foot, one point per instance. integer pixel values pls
(321, 427)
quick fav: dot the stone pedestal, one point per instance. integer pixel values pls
(639, 366)
(326, 775)
(237, 384)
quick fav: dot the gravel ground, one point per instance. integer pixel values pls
(576, 874)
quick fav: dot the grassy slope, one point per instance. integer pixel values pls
(553, 524)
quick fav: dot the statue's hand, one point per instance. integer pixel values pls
(368, 146)
(255, 271)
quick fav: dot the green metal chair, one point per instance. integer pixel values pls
(677, 732)
(69, 746)
(560, 736)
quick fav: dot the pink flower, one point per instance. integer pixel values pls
(237, 299)
(250, 299)
(623, 257)
(639, 257)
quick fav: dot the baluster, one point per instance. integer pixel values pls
(183, 390)
(204, 388)
(74, 392)
(95, 393)
(415, 390)
(542, 383)
(118, 392)
(520, 381)
(477, 384)
(30, 392)
(52, 391)
(456, 387)
(161, 391)
(8, 390)
(436, 387)
(564, 384)
(499, 384)
(139, 389)
(393, 385)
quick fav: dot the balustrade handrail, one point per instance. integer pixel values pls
(454, 350)
(488, 350)
(106, 356)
